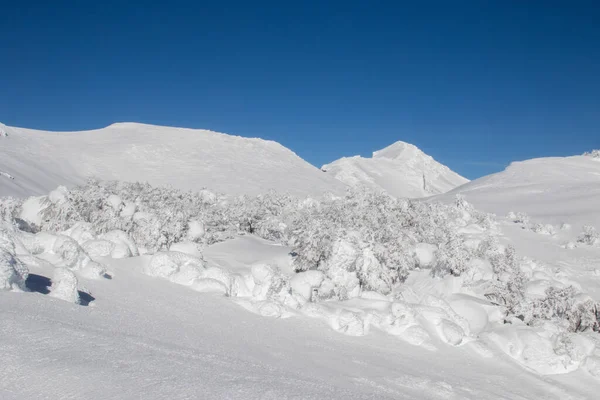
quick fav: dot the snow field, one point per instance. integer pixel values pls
(458, 290)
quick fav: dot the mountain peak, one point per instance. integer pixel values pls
(400, 169)
(398, 150)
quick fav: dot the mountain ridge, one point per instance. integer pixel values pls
(188, 159)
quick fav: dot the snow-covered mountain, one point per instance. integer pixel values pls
(400, 169)
(550, 190)
(34, 162)
(127, 286)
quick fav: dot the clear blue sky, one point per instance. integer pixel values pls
(476, 84)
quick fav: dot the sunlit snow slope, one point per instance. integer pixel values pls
(401, 169)
(34, 162)
(550, 190)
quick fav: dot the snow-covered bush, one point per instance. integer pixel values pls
(451, 257)
(544, 229)
(563, 304)
(344, 246)
(508, 286)
(373, 237)
(13, 273)
(269, 283)
(518, 218)
(593, 153)
(589, 236)
(64, 286)
(177, 267)
(382, 231)
(9, 209)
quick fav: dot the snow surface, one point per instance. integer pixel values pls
(39, 161)
(550, 190)
(89, 317)
(145, 337)
(400, 169)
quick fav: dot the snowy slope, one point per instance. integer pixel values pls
(39, 161)
(550, 190)
(144, 337)
(400, 169)
(223, 325)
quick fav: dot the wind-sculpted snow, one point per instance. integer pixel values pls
(187, 159)
(400, 169)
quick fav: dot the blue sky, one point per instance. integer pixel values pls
(476, 84)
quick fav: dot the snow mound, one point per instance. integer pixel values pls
(190, 248)
(40, 161)
(177, 267)
(64, 286)
(124, 246)
(401, 169)
(81, 232)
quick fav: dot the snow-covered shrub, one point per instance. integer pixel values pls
(593, 153)
(13, 273)
(71, 254)
(177, 267)
(372, 238)
(124, 246)
(508, 285)
(563, 304)
(544, 229)
(64, 286)
(462, 204)
(451, 257)
(589, 236)
(270, 283)
(307, 284)
(196, 231)
(9, 209)
(98, 248)
(521, 218)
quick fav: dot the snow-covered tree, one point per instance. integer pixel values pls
(589, 236)
(593, 153)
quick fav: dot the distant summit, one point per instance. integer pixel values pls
(401, 170)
